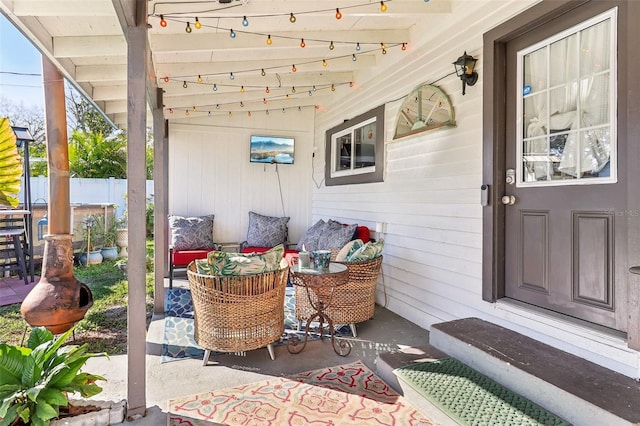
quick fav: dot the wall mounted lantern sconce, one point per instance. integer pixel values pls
(464, 69)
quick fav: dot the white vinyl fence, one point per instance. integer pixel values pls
(87, 191)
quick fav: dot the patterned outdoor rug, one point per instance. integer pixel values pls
(348, 394)
(179, 342)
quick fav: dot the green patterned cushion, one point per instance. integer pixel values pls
(368, 251)
(224, 263)
(203, 267)
(349, 248)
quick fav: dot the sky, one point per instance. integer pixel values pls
(18, 55)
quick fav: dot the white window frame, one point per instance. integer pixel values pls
(613, 178)
(334, 148)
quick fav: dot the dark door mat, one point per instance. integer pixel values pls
(470, 398)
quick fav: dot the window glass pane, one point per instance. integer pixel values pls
(563, 108)
(365, 143)
(535, 115)
(343, 152)
(535, 70)
(594, 49)
(595, 105)
(563, 60)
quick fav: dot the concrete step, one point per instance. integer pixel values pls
(573, 388)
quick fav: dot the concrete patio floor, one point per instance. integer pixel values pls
(385, 332)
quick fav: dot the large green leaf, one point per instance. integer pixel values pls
(38, 336)
(10, 165)
(11, 364)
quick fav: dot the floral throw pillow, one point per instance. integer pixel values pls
(349, 248)
(266, 231)
(224, 263)
(191, 233)
(368, 251)
(310, 238)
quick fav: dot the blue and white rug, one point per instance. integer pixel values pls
(179, 342)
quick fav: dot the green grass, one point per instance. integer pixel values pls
(105, 325)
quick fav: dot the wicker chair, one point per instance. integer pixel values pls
(238, 313)
(353, 302)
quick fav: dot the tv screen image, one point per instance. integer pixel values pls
(271, 149)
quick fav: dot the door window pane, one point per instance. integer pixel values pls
(568, 127)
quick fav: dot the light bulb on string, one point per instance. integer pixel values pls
(170, 110)
(232, 33)
(338, 14)
(242, 89)
(331, 46)
(166, 79)
(310, 93)
(264, 101)
(188, 28)
(249, 113)
(302, 43)
(215, 87)
(197, 24)
(269, 41)
(230, 114)
(231, 76)
(324, 63)
(293, 89)
(351, 84)
(186, 112)
(314, 88)
(241, 104)
(262, 73)
(283, 110)
(245, 21)
(383, 7)
(199, 78)
(384, 48)
(299, 109)
(358, 46)
(184, 84)
(267, 112)
(209, 114)
(163, 23)
(217, 106)
(194, 108)
(287, 97)
(353, 57)
(333, 87)
(267, 90)
(292, 18)
(404, 46)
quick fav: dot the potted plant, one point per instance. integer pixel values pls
(91, 242)
(106, 230)
(37, 379)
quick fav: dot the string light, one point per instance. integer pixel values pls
(331, 46)
(215, 87)
(231, 76)
(302, 43)
(404, 47)
(333, 87)
(242, 89)
(287, 97)
(241, 104)
(384, 48)
(310, 93)
(232, 33)
(299, 109)
(283, 111)
(197, 24)
(293, 68)
(293, 89)
(351, 84)
(338, 14)
(170, 110)
(358, 47)
(230, 115)
(262, 73)
(264, 101)
(186, 113)
(249, 113)
(269, 41)
(184, 84)
(217, 106)
(383, 7)
(163, 23)
(188, 28)
(199, 78)
(314, 88)
(166, 79)
(292, 18)
(353, 57)
(267, 112)
(324, 63)
(209, 114)
(194, 108)
(245, 21)
(267, 90)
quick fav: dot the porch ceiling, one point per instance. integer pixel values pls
(85, 39)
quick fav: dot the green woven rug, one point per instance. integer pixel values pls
(470, 398)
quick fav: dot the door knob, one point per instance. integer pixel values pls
(508, 200)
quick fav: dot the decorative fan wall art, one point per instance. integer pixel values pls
(425, 108)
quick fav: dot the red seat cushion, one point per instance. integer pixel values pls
(184, 257)
(263, 249)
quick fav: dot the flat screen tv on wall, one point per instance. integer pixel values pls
(271, 149)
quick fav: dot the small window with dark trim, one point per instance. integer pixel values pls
(354, 150)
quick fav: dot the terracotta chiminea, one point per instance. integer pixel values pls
(58, 300)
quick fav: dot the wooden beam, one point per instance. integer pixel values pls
(160, 200)
(98, 73)
(136, 206)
